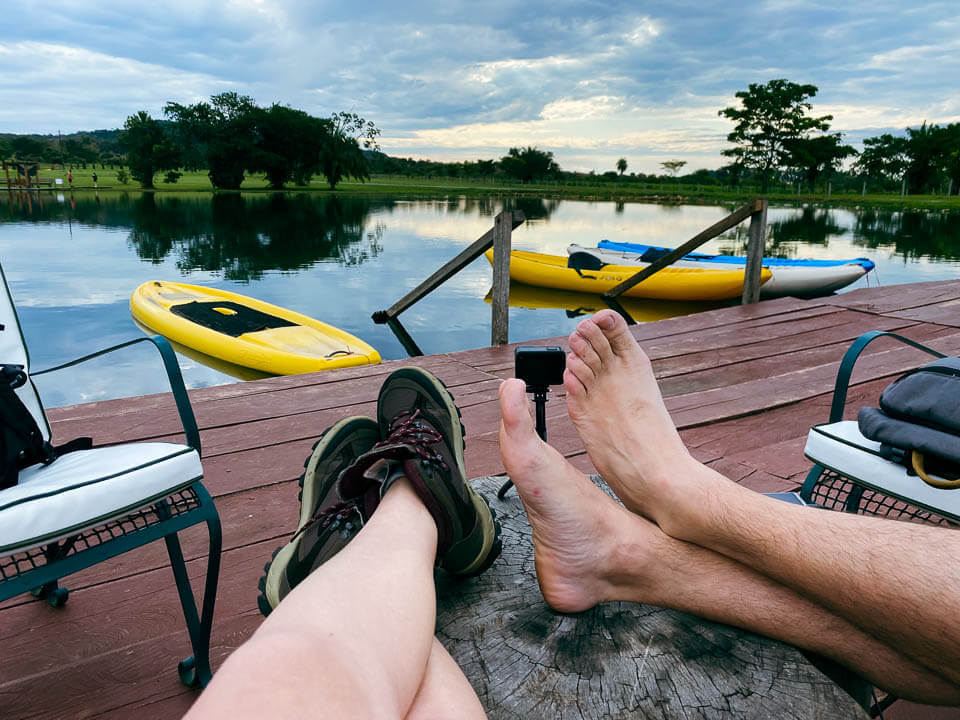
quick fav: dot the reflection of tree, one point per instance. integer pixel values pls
(811, 226)
(911, 234)
(243, 237)
(532, 208)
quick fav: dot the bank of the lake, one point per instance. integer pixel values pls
(588, 188)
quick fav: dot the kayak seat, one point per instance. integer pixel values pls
(584, 261)
(89, 505)
(228, 317)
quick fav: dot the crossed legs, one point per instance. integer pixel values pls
(355, 638)
(880, 597)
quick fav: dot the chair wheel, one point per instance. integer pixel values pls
(58, 597)
(187, 670)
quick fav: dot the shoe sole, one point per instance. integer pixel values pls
(436, 389)
(269, 583)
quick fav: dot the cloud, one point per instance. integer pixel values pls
(582, 79)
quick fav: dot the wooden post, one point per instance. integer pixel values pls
(864, 193)
(755, 247)
(502, 230)
(829, 188)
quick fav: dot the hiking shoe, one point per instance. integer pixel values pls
(326, 524)
(423, 441)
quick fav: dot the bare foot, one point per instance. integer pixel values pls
(615, 404)
(580, 535)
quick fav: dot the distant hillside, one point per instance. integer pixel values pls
(100, 146)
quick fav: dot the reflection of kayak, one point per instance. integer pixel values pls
(790, 276)
(221, 366)
(245, 331)
(575, 303)
(668, 284)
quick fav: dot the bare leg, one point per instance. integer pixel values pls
(897, 581)
(445, 692)
(589, 549)
(354, 639)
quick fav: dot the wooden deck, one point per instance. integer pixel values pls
(744, 384)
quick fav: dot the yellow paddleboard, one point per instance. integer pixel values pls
(245, 331)
(668, 284)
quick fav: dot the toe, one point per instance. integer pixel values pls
(616, 332)
(571, 382)
(583, 349)
(593, 334)
(514, 407)
(580, 371)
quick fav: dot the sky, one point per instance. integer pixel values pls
(590, 81)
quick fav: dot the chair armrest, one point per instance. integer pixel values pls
(174, 377)
(850, 357)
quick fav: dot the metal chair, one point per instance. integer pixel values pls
(91, 505)
(850, 474)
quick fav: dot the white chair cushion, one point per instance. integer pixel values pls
(85, 488)
(840, 447)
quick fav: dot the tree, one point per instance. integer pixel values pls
(768, 119)
(341, 155)
(220, 135)
(622, 166)
(817, 156)
(883, 158)
(926, 150)
(288, 145)
(528, 164)
(148, 148)
(673, 166)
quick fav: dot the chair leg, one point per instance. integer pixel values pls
(195, 670)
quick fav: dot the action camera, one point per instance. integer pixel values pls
(540, 367)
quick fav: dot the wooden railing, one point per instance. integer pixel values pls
(500, 238)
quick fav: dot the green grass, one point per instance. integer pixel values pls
(625, 190)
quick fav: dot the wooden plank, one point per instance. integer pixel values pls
(732, 220)
(726, 366)
(758, 395)
(883, 300)
(477, 248)
(755, 247)
(500, 304)
(942, 313)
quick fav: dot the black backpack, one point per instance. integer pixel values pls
(918, 421)
(21, 441)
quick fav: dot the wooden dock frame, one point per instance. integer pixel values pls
(500, 238)
(756, 210)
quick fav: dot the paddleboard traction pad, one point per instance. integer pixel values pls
(239, 319)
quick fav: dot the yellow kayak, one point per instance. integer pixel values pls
(668, 284)
(245, 331)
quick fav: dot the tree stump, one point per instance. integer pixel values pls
(618, 659)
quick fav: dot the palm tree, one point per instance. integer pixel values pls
(622, 165)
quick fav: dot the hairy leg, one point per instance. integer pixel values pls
(445, 691)
(897, 581)
(353, 639)
(588, 549)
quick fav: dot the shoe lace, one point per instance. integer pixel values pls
(334, 513)
(410, 429)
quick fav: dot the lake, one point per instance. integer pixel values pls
(72, 263)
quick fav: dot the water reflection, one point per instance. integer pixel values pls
(243, 237)
(912, 235)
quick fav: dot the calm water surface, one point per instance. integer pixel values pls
(73, 262)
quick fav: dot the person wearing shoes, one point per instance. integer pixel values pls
(385, 501)
(350, 600)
